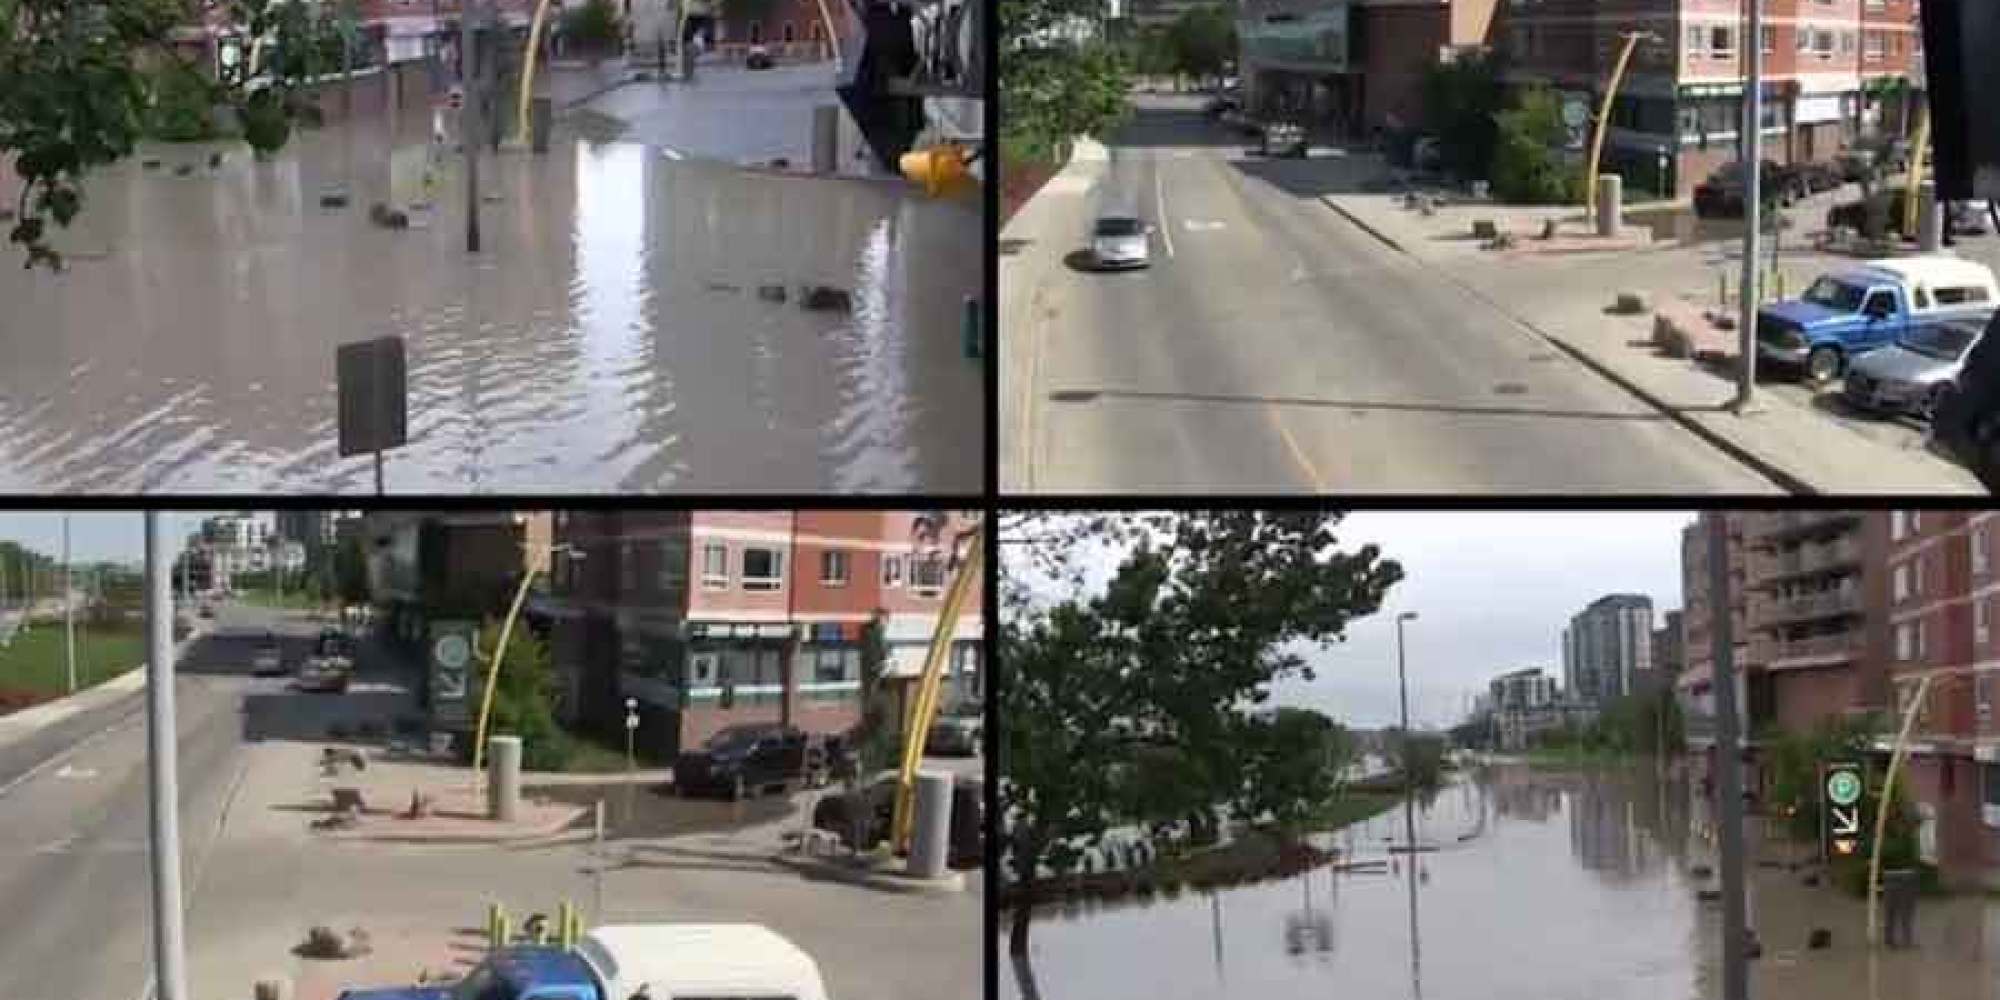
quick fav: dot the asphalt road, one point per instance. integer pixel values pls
(1275, 347)
(74, 822)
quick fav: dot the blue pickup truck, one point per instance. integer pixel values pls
(1850, 311)
(635, 962)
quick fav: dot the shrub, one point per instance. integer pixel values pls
(181, 104)
(1526, 168)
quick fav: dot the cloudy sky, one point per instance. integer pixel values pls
(1493, 592)
(95, 536)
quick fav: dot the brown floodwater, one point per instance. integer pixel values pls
(613, 334)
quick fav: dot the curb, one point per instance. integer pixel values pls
(1756, 463)
(1363, 226)
(539, 837)
(571, 105)
(951, 884)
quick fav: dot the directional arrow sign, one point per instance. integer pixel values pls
(1841, 786)
(1846, 821)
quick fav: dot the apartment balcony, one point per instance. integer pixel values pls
(1773, 566)
(1767, 611)
(1817, 651)
(1775, 526)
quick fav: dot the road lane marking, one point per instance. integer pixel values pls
(1298, 453)
(1166, 226)
(1201, 225)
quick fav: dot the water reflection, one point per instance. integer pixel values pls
(617, 334)
(1544, 885)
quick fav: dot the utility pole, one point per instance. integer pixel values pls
(1728, 762)
(1753, 205)
(468, 119)
(170, 978)
(69, 609)
(1409, 773)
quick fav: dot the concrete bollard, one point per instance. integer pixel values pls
(1610, 203)
(541, 118)
(1930, 218)
(272, 988)
(503, 782)
(826, 139)
(930, 839)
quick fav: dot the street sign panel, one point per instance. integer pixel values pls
(452, 680)
(374, 404)
(1841, 788)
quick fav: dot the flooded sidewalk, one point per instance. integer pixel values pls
(1543, 885)
(633, 323)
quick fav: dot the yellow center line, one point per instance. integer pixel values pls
(1298, 453)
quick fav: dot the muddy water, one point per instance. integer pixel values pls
(609, 337)
(1543, 885)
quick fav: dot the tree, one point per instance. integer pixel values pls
(350, 571)
(524, 697)
(1297, 757)
(75, 91)
(1525, 166)
(1204, 611)
(1462, 100)
(1203, 41)
(1058, 79)
(596, 22)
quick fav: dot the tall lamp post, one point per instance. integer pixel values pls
(1753, 206)
(500, 648)
(1409, 803)
(1632, 40)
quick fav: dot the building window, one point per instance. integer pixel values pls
(892, 571)
(1905, 644)
(715, 566)
(836, 664)
(1847, 43)
(1902, 585)
(671, 574)
(965, 666)
(1769, 36)
(1899, 525)
(1878, 45)
(1823, 43)
(763, 568)
(927, 576)
(1695, 39)
(703, 669)
(1802, 39)
(1989, 789)
(833, 568)
(1978, 542)
(628, 568)
(1982, 621)
(1982, 697)
(791, 33)
(1722, 41)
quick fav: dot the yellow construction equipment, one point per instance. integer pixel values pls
(944, 169)
(923, 708)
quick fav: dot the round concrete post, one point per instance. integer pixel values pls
(1930, 218)
(1610, 203)
(541, 115)
(503, 783)
(930, 840)
(826, 138)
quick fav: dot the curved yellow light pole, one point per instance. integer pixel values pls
(832, 36)
(1918, 145)
(493, 672)
(918, 724)
(1888, 800)
(528, 69)
(1632, 39)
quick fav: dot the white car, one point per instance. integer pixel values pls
(1120, 241)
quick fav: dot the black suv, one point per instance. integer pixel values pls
(743, 760)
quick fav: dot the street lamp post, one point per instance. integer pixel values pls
(500, 653)
(1409, 775)
(69, 610)
(1632, 40)
(1753, 205)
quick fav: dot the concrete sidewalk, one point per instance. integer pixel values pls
(456, 812)
(1031, 247)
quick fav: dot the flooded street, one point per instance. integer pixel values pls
(1545, 885)
(621, 330)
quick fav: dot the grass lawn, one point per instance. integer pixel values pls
(296, 600)
(1352, 807)
(34, 668)
(1574, 756)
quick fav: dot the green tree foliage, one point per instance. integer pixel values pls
(75, 93)
(524, 697)
(1204, 611)
(182, 102)
(1058, 80)
(1462, 102)
(1421, 756)
(595, 24)
(1526, 167)
(1795, 760)
(1203, 41)
(1296, 759)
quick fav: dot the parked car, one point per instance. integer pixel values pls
(1120, 241)
(1915, 374)
(959, 732)
(1283, 139)
(1969, 218)
(758, 57)
(1878, 215)
(743, 760)
(1721, 195)
(1217, 107)
(877, 801)
(267, 660)
(1815, 177)
(1850, 311)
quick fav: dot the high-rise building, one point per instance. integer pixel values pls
(1668, 654)
(1606, 645)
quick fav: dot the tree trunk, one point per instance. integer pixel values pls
(1017, 935)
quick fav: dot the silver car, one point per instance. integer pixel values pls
(1916, 372)
(1120, 241)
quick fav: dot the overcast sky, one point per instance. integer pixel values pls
(96, 536)
(1493, 592)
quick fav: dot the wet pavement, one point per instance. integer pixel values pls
(1545, 885)
(613, 335)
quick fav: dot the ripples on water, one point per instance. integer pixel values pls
(610, 338)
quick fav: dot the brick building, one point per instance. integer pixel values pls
(714, 618)
(1352, 65)
(1834, 70)
(790, 29)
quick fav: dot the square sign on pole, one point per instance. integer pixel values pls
(1840, 787)
(374, 399)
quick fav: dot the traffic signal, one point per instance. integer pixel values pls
(889, 122)
(943, 169)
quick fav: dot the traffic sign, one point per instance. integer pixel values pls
(1841, 788)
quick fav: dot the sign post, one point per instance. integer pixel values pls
(1841, 786)
(374, 399)
(631, 727)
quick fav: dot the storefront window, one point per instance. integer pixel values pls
(670, 576)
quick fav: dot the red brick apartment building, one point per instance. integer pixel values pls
(714, 618)
(1834, 70)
